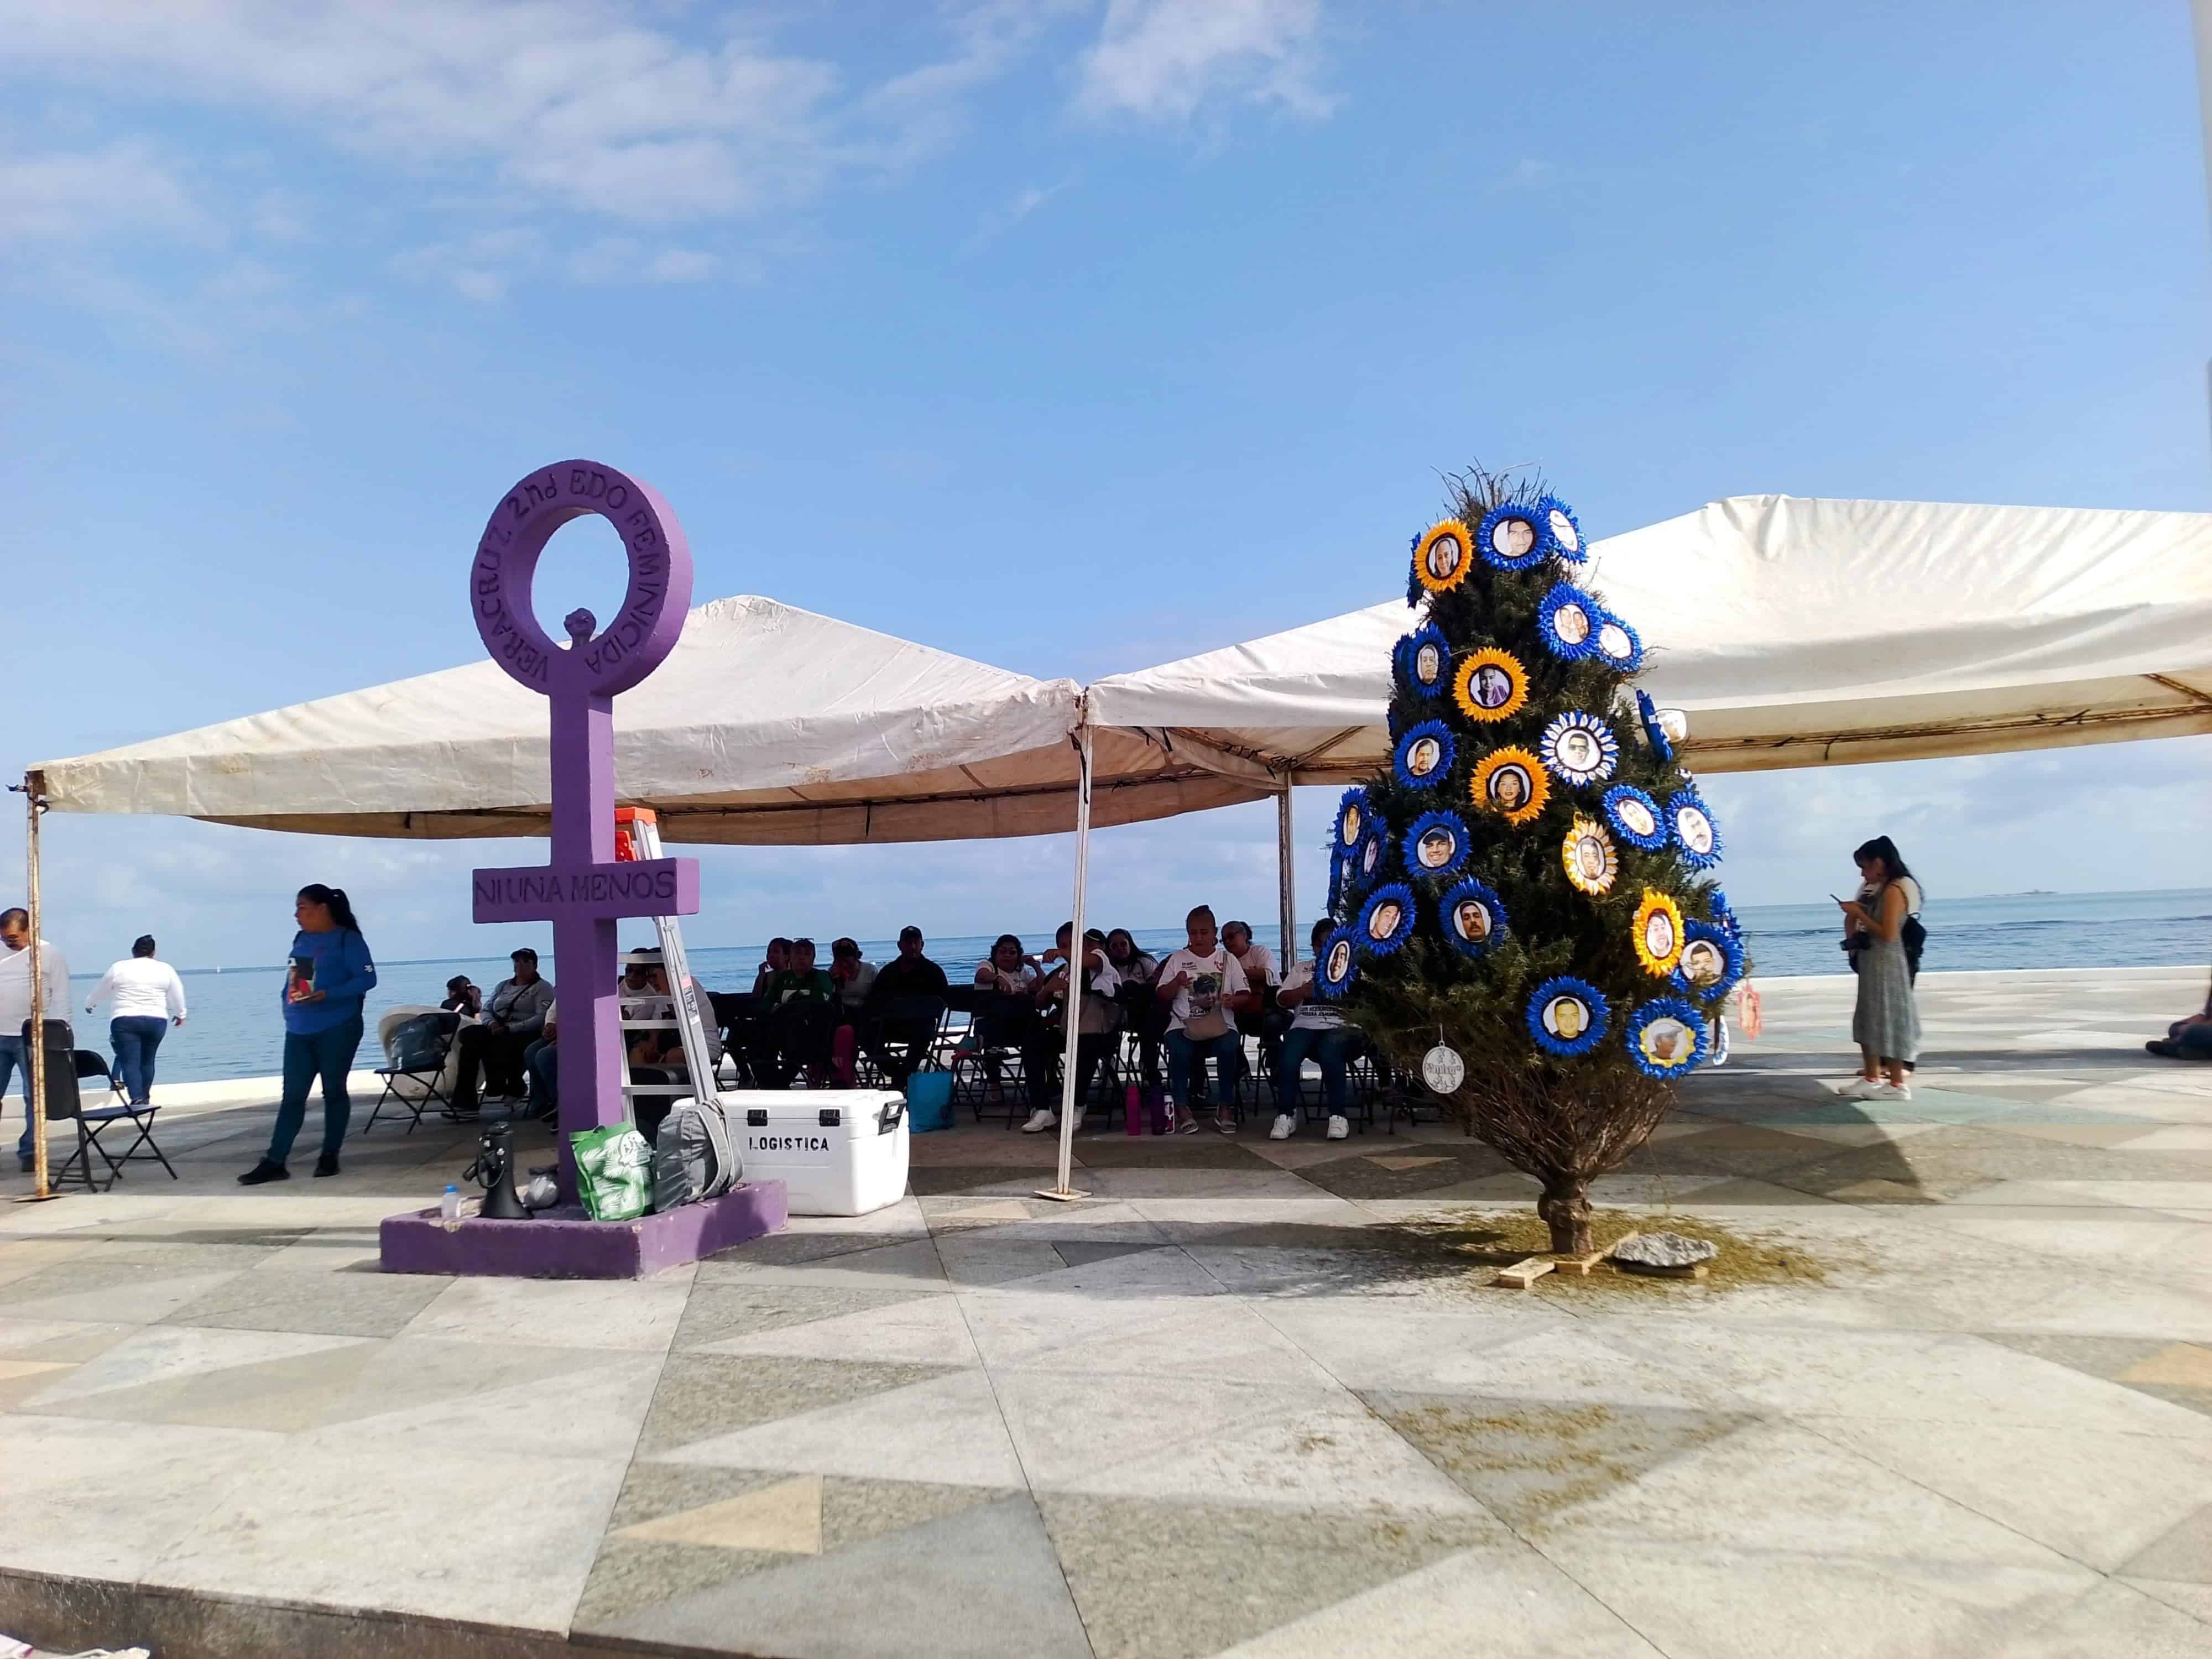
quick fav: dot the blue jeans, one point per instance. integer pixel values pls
(1228, 1054)
(542, 1061)
(308, 1054)
(1331, 1049)
(135, 1037)
(13, 1054)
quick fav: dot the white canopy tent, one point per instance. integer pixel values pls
(767, 725)
(1792, 632)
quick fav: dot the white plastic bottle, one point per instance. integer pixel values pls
(450, 1206)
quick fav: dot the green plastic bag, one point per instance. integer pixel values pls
(614, 1171)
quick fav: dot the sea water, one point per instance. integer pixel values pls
(236, 1028)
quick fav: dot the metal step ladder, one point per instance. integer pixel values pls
(637, 835)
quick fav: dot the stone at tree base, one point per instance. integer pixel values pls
(1668, 1252)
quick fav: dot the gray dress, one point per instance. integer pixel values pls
(1884, 1019)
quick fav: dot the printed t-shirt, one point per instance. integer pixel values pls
(1211, 978)
(1312, 1014)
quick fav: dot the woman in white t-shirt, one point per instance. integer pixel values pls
(1317, 1029)
(148, 996)
(1204, 987)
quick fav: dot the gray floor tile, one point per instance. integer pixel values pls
(332, 1304)
(704, 1396)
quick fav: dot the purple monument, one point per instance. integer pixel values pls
(583, 889)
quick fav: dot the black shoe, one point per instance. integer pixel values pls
(264, 1171)
(327, 1164)
(2164, 1048)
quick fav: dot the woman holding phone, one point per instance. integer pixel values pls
(1884, 1023)
(330, 973)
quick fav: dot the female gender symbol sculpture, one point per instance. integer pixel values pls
(583, 889)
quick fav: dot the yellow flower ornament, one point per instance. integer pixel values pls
(1445, 556)
(1658, 936)
(1489, 685)
(1511, 782)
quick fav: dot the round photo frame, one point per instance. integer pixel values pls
(1435, 847)
(1422, 658)
(1443, 555)
(1489, 685)
(1657, 934)
(1513, 538)
(1338, 967)
(1567, 1016)
(1711, 961)
(1690, 822)
(1353, 818)
(1567, 621)
(1578, 748)
(1386, 920)
(1425, 755)
(1665, 1037)
(1512, 783)
(1592, 865)
(1473, 918)
(1564, 528)
(1635, 817)
(1617, 644)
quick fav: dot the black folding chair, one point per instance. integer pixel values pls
(424, 1066)
(61, 1100)
(92, 1122)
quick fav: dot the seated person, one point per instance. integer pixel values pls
(463, 998)
(778, 959)
(905, 1006)
(1140, 1009)
(541, 1063)
(1317, 1029)
(1007, 978)
(513, 1016)
(852, 976)
(656, 1055)
(798, 1023)
(2187, 1039)
(1269, 1022)
(1202, 986)
(1047, 1044)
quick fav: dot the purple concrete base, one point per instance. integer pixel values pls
(564, 1243)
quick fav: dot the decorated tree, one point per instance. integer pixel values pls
(1528, 885)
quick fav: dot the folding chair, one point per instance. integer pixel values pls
(61, 1100)
(92, 1122)
(423, 1066)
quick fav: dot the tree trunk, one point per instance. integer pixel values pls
(1565, 1208)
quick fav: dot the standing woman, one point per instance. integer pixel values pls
(331, 972)
(1884, 1023)
(147, 996)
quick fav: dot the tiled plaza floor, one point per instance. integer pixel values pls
(1229, 1403)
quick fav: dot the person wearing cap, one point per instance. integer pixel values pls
(463, 998)
(513, 1015)
(905, 1006)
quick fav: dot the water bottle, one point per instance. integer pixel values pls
(450, 1206)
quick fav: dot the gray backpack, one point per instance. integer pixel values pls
(693, 1157)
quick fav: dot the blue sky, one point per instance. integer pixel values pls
(1072, 336)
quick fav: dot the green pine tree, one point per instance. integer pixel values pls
(1492, 886)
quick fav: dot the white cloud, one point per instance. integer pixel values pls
(125, 189)
(1159, 60)
(614, 260)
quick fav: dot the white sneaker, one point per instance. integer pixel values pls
(1861, 1088)
(1040, 1120)
(1890, 1091)
(1286, 1127)
(1339, 1127)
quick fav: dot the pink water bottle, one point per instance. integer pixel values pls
(1133, 1111)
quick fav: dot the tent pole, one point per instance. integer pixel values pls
(34, 1067)
(1286, 886)
(1068, 1105)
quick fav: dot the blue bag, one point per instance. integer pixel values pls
(928, 1102)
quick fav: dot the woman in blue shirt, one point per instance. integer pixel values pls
(330, 973)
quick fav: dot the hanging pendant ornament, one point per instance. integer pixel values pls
(1491, 684)
(1424, 755)
(1370, 856)
(1658, 934)
(1566, 622)
(1424, 661)
(1474, 919)
(1579, 749)
(1511, 782)
(1443, 1070)
(1667, 1037)
(1695, 832)
(1567, 1016)
(1436, 846)
(1634, 816)
(1617, 643)
(1588, 853)
(1444, 556)
(1750, 1013)
(1717, 1042)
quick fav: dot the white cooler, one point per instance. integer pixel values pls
(838, 1151)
